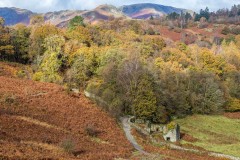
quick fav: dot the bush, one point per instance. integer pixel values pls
(94, 87)
(177, 30)
(91, 131)
(68, 145)
(38, 76)
(229, 39)
(225, 31)
(150, 31)
(21, 74)
(203, 25)
(171, 125)
(9, 99)
(236, 30)
(231, 30)
(108, 95)
(234, 105)
(116, 107)
(203, 44)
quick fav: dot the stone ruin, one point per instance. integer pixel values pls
(171, 134)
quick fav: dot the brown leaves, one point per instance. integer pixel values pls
(56, 108)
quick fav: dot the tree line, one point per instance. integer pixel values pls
(134, 72)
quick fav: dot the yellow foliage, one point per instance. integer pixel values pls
(171, 125)
(234, 105)
(38, 76)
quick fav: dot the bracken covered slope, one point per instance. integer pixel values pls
(37, 119)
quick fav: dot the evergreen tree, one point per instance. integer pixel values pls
(203, 13)
(20, 40)
(76, 21)
(144, 104)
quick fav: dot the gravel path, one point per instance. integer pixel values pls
(127, 129)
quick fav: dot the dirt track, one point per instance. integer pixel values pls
(127, 129)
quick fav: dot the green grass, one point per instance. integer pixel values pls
(214, 133)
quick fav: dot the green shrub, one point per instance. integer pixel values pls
(38, 76)
(229, 39)
(94, 87)
(150, 31)
(45, 77)
(68, 145)
(171, 125)
(21, 74)
(116, 107)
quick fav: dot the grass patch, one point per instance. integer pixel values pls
(68, 145)
(98, 140)
(213, 133)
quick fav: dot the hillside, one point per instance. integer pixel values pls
(214, 133)
(41, 121)
(38, 120)
(146, 10)
(102, 12)
(15, 15)
(60, 18)
(116, 83)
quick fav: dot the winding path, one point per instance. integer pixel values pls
(127, 129)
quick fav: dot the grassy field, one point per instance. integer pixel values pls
(213, 133)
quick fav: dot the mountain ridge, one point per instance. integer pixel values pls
(20, 15)
(60, 18)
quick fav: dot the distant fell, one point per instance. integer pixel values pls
(13, 15)
(146, 10)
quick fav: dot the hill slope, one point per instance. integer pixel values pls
(146, 10)
(38, 119)
(214, 133)
(13, 16)
(102, 12)
(61, 18)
